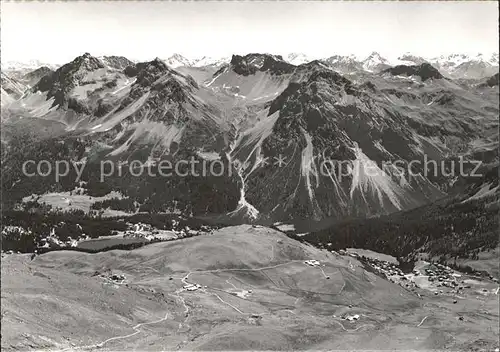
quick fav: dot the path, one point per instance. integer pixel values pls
(100, 344)
(422, 321)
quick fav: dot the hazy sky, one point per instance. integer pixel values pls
(56, 32)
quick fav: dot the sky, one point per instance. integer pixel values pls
(57, 32)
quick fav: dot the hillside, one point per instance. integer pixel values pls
(241, 288)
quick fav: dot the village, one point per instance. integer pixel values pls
(435, 277)
(142, 232)
(150, 233)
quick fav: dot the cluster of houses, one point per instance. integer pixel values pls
(349, 317)
(442, 275)
(312, 262)
(150, 233)
(110, 277)
(52, 240)
(118, 278)
(192, 287)
(436, 276)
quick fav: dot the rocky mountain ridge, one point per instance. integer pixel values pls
(259, 107)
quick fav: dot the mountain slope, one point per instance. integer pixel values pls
(255, 77)
(116, 62)
(460, 226)
(12, 86)
(324, 117)
(317, 115)
(33, 77)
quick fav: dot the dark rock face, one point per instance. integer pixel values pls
(60, 82)
(103, 108)
(302, 107)
(307, 91)
(369, 86)
(118, 62)
(154, 76)
(166, 87)
(280, 101)
(220, 70)
(308, 124)
(445, 98)
(425, 71)
(130, 71)
(333, 78)
(148, 72)
(251, 63)
(37, 74)
(326, 115)
(493, 80)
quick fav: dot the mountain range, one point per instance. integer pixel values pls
(299, 139)
(453, 65)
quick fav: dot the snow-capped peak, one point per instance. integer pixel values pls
(297, 58)
(210, 61)
(467, 66)
(27, 65)
(337, 58)
(177, 60)
(407, 59)
(375, 56)
(374, 62)
(452, 59)
(457, 59)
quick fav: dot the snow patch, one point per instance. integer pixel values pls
(126, 84)
(152, 132)
(485, 191)
(112, 119)
(307, 166)
(367, 176)
(243, 206)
